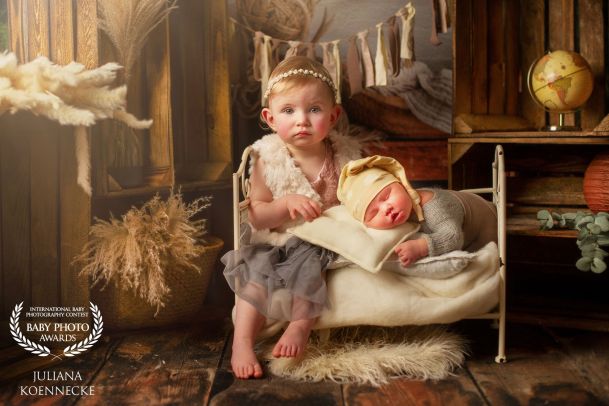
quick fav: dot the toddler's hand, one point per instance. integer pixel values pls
(298, 204)
(410, 251)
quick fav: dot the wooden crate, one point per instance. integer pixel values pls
(496, 41)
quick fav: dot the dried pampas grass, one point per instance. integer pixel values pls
(136, 251)
(374, 355)
(127, 23)
(68, 94)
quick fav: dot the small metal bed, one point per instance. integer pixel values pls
(241, 189)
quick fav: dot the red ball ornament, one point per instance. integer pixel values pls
(596, 183)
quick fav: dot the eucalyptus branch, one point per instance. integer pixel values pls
(593, 233)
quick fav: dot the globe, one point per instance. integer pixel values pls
(560, 81)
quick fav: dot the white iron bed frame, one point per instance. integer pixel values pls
(241, 186)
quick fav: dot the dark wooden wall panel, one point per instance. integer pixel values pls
(74, 203)
(496, 57)
(15, 183)
(512, 55)
(44, 180)
(462, 59)
(187, 53)
(531, 47)
(591, 47)
(480, 81)
(156, 54)
(561, 35)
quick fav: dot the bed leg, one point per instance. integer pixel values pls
(501, 358)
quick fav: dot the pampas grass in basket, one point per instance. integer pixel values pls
(150, 258)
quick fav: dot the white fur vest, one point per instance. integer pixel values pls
(282, 175)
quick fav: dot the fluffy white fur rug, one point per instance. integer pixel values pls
(373, 355)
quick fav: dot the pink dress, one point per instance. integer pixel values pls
(326, 182)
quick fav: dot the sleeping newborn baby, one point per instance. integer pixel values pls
(376, 192)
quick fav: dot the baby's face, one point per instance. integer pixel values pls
(390, 208)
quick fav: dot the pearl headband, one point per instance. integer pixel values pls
(303, 72)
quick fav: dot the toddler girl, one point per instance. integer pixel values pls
(375, 191)
(294, 177)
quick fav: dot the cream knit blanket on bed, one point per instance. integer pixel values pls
(358, 297)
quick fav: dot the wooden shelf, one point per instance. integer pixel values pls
(555, 318)
(535, 137)
(528, 225)
(206, 186)
(533, 134)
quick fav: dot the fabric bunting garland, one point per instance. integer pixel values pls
(362, 70)
(406, 14)
(366, 58)
(354, 72)
(381, 65)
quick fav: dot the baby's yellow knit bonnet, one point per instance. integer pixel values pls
(361, 180)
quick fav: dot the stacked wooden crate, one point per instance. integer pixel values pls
(495, 43)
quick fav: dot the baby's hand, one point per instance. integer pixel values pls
(298, 204)
(410, 251)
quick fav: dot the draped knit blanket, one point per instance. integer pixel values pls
(427, 94)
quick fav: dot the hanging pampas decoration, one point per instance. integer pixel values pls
(69, 94)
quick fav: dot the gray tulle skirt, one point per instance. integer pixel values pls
(282, 283)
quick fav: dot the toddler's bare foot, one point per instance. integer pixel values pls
(294, 339)
(243, 361)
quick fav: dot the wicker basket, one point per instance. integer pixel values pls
(121, 309)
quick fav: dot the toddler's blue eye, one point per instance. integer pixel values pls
(315, 110)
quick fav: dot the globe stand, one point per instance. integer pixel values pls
(561, 125)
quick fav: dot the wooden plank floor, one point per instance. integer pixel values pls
(191, 366)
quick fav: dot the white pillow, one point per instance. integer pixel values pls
(338, 231)
(438, 267)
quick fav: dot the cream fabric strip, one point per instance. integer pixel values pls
(327, 58)
(258, 40)
(354, 72)
(331, 61)
(265, 64)
(83, 159)
(440, 20)
(381, 64)
(406, 15)
(338, 69)
(394, 45)
(310, 50)
(275, 54)
(434, 23)
(444, 17)
(366, 58)
(293, 49)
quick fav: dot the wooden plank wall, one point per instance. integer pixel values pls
(201, 100)
(44, 214)
(496, 41)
